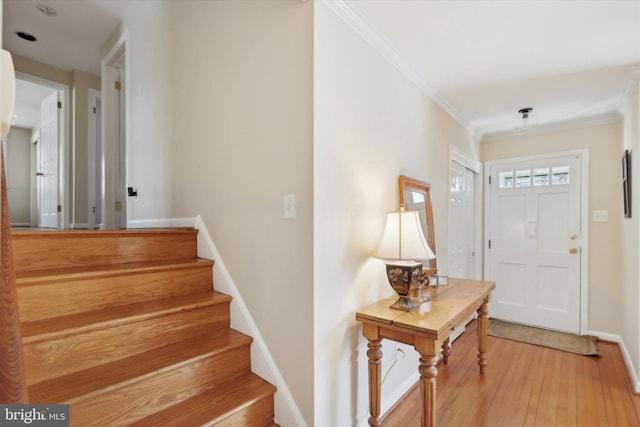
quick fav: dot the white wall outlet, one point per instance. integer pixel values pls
(600, 216)
(289, 207)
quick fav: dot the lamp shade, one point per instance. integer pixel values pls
(403, 238)
(7, 91)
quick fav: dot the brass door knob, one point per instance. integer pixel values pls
(573, 236)
(573, 251)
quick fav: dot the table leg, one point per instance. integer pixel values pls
(375, 357)
(483, 315)
(446, 351)
(428, 372)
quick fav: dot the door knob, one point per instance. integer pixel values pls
(573, 237)
(39, 174)
(573, 251)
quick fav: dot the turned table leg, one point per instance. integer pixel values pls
(446, 351)
(483, 315)
(428, 350)
(375, 359)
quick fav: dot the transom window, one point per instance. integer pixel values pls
(558, 175)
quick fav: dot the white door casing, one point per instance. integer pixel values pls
(534, 213)
(461, 230)
(48, 174)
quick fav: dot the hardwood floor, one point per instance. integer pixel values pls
(527, 385)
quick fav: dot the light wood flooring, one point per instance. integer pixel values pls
(526, 385)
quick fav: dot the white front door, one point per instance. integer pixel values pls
(48, 173)
(534, 240)
(461, 227)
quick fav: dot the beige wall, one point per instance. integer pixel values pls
(605, 189)
(242, 126)
(371, 124)
(18, 169)
(630, 239)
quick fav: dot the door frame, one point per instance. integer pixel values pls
(64, 144)
(95, 131)
(584, 220)
(114, 138)
(476, 167)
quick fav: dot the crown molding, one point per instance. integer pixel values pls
(603, 119)
(367, 31)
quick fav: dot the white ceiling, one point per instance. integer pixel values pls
(573, 61)
(70, 40)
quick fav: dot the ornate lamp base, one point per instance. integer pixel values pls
(404, 278)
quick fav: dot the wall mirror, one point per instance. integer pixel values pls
(415, 195)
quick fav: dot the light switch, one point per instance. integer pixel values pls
(289, 207)
(600, 216)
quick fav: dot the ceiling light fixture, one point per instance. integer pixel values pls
(49, 11)
(26, 36)
(525, 120)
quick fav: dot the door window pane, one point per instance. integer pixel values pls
(560, 175)
(541, 176)
(506, 179)
(523, 178)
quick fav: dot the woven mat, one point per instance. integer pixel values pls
(579, 344)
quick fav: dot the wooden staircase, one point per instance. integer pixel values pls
(126, 328)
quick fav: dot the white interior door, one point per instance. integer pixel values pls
(461, 230)
(48, 173)
(534, 242)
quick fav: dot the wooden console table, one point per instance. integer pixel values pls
(427, 329)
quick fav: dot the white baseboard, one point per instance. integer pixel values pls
(633, 375)
(79, 225)
(162, 223)
(20, 224)
(287, 412)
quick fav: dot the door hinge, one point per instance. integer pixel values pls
(118, 85)
(59, 208)
(118, 206)
(94, 110)
(489, 179)
(489, 244)
(59, 105)
(94, 209)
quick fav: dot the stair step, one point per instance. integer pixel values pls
(56, 347)
(244, 401)
(43, 250)
(77, 290)
(134, 368)
(122, 403)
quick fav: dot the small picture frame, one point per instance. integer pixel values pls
(437, 280)
(626, 183)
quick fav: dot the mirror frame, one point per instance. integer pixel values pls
(407, 183)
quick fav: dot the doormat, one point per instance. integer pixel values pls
(579, 344)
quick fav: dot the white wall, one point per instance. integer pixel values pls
(242, 138)
(371, 124)
(149, 107)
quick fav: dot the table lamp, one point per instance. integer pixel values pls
(403, 245)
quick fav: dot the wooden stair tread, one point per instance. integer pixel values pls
(121, 232)
(60, 326)
(26, 278)
(42, 250)
(135, 368)
(214, 405)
